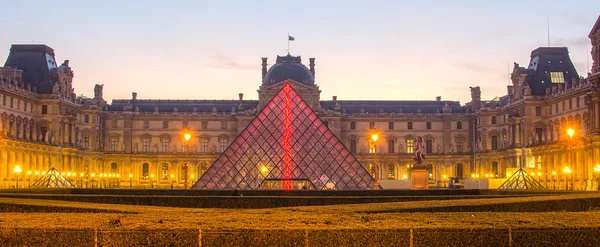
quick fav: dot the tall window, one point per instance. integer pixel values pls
(391, 125)
(203, 169)
(165, 145)
(114, 142)
(44, 109)
(570, 103)
(458, 125)
(372, 147)
(495, 168)
(459, 145)
(429, 146)
(204, 125)
(391, 171)
(353, 146)
(372, 169)
(409, 125)
(146, 124)
(428, 125)
(459, 171)
(352, 125)
(204, 146)
(430, 171)
(223, 125)
(164, 171)
(557, 77)
(114, 124)
(391, 146)
(86, 118)
(165, 124)
(145, 145)
(145, 171)
(493, 119)
(409, 146)
(538, 110)
(371, 125)
(114, 168)
(539, 132)
(86, 141)
(494, 142)
(223, 144)
(183, 172)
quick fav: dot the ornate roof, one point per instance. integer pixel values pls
(289, 67)
(36, 61)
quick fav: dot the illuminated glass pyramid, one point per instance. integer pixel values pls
(286, 147)
(52, 179)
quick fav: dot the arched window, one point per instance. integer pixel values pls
(391, 171)
(164, 171)
(114, 168)
(203, 169)
(183, 172)
(459, 173)
(372, 169)
(430, 171)
(145, 171)
(495, 169)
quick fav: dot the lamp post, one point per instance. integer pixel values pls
(130, 176)
(17, 171)
(29, 178)
(597, 171)
(187, 137)
(152, 180)
(571, 132)
(445, 179)
(172, 180)
(567, 171)
(93, 180)
(374, 138)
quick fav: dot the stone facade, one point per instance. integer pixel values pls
(139, 142)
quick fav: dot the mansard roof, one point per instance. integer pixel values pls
(393, 106)
(147, 105)
(544, 61)
(36, 61)
(595, 29)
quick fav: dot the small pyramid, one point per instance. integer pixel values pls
(520, 180)
(285, 147)
(52, 179)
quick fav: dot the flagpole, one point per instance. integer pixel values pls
(288, 38)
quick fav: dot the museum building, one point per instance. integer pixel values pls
(548, 122)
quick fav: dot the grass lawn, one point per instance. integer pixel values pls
(355, 216)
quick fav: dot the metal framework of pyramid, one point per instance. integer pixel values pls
(520, 180)
(286, 147)
(52, 179)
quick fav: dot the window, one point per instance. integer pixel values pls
(372, 169)
(372, 147)
(539, 132)
(557, 77)
(577, 102)
(570, 103)
(459, 171)
(538, 111)
(495, 168)
(44, 130)
(185, 124)
(114, 168)
(459, 145)
(183, 172)
(493, 119)
(391, 171)
(353, 146)
(165, 145)
(44, 109)
(430, 171)
(113, 144)
(145, 145)
(326, 123)
(494, 142)
(86, 118)
(146, 124)
(391, 147)
(127, 124)
(145, 171)
(556, 108)
(371, 125)
(164, 171)
(223, 125)
(459, 125)
(564, 106)
(409, 125)
(204, 125)
(352, 125)
(114, 124)
(86, 141)
(409, 146)
(203, 169)
(429, 146)
(165, 124)
(428, 125)
(223, 143)
(391, 125)
(204, 146)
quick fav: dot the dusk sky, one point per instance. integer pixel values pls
(386, 50)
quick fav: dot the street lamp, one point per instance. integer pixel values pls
(567, 171)
(187, 137)
(29, 175)
(374, 138)
(17, 171)
(152, 180)
(445, 177)
(130, 176)
(93, 174)
(597, 171)
(172, 180)
(571, 132)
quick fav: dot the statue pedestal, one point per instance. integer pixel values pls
(419, 177)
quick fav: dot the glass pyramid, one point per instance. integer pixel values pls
(286, 147)
(52, 179)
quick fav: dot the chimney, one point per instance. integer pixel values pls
(438, 98)
(312, 66)
(241, 96)
(264, 67)
(334, 98)
(134, 96)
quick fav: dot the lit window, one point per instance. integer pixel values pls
(459, 146)
(145, 171)
(164, 173)
(146, 124)
(86, 141)
(204, 146)
(557, 77)
(165, 145)
(223, 143)
(409, 146)
(391, 171)
(113, 144)
(145, 144)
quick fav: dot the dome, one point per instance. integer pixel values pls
(288, 67)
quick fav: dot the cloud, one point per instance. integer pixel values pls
(575, 19)
(220, 61)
